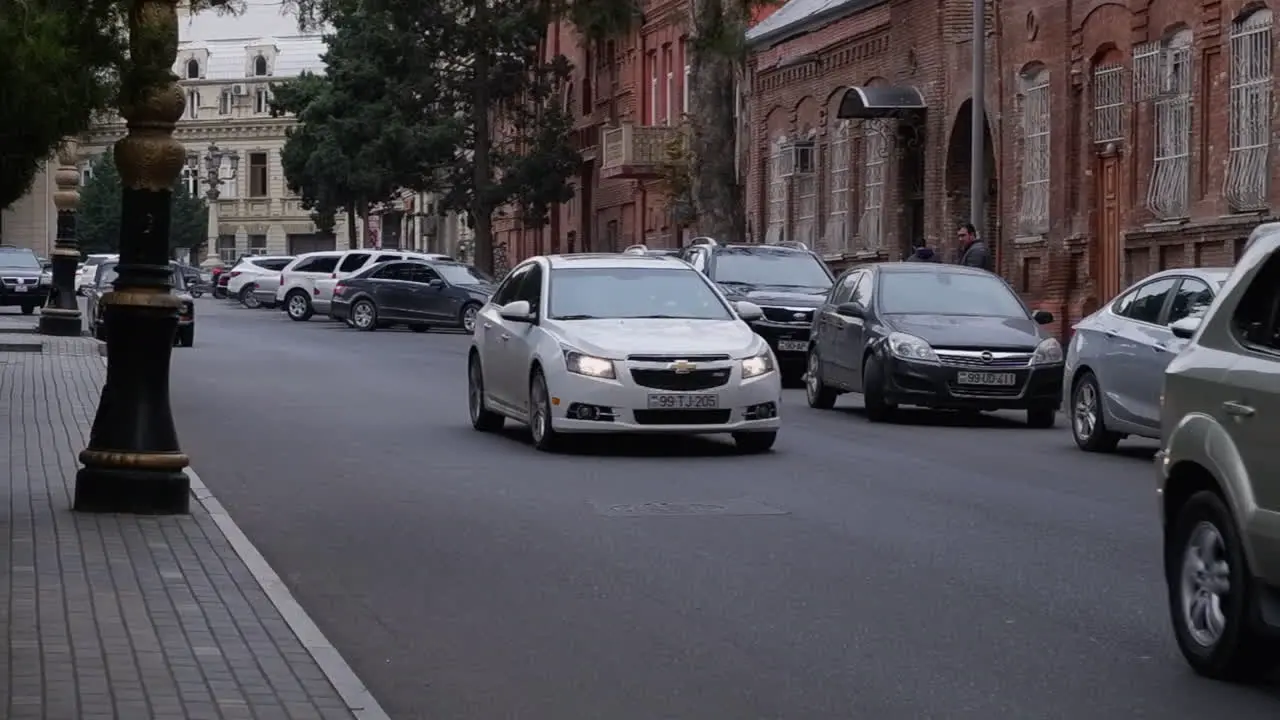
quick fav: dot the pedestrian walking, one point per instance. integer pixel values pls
(922, 252)
(973, 249)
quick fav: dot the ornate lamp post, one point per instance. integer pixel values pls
(213, 178)
(133, 463)
(61, 315)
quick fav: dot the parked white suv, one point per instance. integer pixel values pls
(251, 272)
(306, 284)
(89, 269)
(1219, 473)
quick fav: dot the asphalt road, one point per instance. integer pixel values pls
(929, 569)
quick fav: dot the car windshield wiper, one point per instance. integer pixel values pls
(577, 317)
(661, 317)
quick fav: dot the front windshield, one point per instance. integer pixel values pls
(770, 267)
(19, 260)
(462, 275)
(634, 292)
(947, 293)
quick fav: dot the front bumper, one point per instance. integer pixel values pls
(10, 296)
(790, 342)
(937, 386)
(622, 405)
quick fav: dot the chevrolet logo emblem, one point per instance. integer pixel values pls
(683, 367)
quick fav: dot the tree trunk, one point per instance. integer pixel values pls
(483, 213)
(352, 241)
(364, 226)
(718, 28)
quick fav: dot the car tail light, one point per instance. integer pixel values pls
(235, 273)
(333, 276)
(282, 279)
(339, 289)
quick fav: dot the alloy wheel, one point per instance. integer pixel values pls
(538, 412)
(811, 379)
(1205, 582)
(469, 319)
(297, 306)
(362, 314)
(475, 391)
(1084, 418)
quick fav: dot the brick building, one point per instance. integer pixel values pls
(1138, 137)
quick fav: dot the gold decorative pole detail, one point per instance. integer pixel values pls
(133, 463)
(61, 313)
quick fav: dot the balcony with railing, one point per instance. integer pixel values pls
(637, 152)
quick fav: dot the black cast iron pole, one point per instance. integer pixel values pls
(61, 314)
(133, 463)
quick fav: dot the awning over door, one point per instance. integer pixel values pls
(880, 101)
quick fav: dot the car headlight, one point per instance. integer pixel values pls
(757, 365)
(588, 365)
(910, 347)
(46, 279)
(1048, 352)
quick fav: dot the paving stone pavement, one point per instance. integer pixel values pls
(124, 617)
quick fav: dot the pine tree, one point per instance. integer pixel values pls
(98, 216)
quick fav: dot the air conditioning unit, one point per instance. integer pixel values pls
(239, 90)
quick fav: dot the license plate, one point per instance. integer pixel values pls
(986, 378)
(20, 288)
(684, 402)
(793, 345)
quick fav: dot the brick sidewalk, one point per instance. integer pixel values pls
(124, 617)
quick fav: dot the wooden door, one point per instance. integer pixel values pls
(1107, 240)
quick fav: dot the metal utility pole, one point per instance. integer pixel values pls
(977, 153)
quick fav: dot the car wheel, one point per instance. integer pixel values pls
(298, 306)
(467, 318)
(187, 336)
(545, 437)
(755, 442)
(819, 394)
(28, 309)
(1088, 426)
(877, 407)
(420, 328)
(1042, 418)
(482, 418)
(249, 297)
(1210, 593)
(364, 315)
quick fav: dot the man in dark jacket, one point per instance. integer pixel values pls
(922, 253)
(973, 249)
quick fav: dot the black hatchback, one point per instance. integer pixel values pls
(416, 293)
(936, 336)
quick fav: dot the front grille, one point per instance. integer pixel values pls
(984, 358)
(671, 380)
(984, 391)
(676, 358)
(788, 315)
(682, 417)
(15, 281)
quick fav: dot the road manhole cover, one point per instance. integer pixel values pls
(667, 508)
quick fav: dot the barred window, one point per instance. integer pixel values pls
(1168, 194)
(875, 161)
(1033, 208)
(777, 219)
(1246, 183)
(1108, 104)
(839, 164)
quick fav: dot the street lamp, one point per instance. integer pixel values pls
(133, 463)
(61, 314)
(214, 178)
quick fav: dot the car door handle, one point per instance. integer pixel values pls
(488, 326)
(505, 337)
(1160, 347)
(1237, 409)
(1108, 335)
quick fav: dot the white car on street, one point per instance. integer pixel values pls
(595, 343)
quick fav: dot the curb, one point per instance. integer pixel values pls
(353, 692)
(359, 701)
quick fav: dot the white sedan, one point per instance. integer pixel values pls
(596, 343)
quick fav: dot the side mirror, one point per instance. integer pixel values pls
(1042, 317)
(435, 283)
(1185, 328)
(851, 309)
(518, 311)
(748, 311)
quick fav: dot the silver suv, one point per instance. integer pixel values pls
(1219, 472)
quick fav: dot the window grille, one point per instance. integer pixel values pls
(806, 207)
(777, 193)
(876, 155)
(1146, 71)
(839, 163)
(1246, 183)
(1168, 194)
(1108, 104)
(1034, 205)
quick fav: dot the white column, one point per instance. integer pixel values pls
(211, 258)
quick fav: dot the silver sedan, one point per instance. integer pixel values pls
(1117, 357)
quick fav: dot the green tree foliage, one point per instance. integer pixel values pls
(58, 62)
(98, 219)
(472, 108)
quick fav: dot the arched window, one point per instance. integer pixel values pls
(1033, 203)
(260, 66)
(876, 148)
(193, 69)
(1248, 169)
(775, 231)
(1169, 191)
(839, 165)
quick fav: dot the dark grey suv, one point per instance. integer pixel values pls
(23, 281)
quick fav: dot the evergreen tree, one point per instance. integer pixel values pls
(98, 217)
